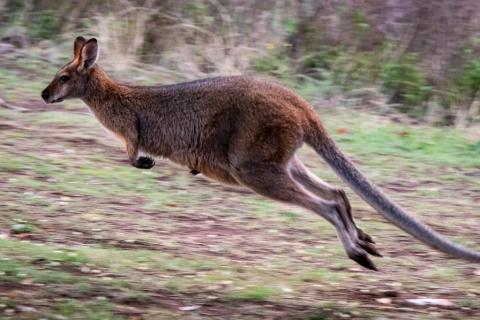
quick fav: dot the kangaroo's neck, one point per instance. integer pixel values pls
(101, 91)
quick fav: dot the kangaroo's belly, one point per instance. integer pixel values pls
(217, 173)
(208, 166)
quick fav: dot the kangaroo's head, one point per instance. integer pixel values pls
(71, 80)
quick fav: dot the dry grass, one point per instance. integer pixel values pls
(192, 49)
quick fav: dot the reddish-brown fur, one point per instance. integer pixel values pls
(236, 130)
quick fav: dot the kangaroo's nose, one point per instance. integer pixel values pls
(45, 95)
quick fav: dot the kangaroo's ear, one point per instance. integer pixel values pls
(77, 46)
(89, 54)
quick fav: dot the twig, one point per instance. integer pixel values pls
(10, 106)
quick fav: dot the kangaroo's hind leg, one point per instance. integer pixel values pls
(274, 181)
(322, 189)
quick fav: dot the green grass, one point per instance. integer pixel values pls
(15, 85)
(256, 294)
(434, 146)
(98, 310)
(320, 275)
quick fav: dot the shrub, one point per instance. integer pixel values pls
(275, 63)
(43, 24)
(468, 81)
(406, 83)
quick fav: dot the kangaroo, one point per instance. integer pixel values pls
(237, 130)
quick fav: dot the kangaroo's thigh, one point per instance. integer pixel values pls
(272, 141)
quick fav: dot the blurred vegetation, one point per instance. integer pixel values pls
(422, 56)
(407, 83)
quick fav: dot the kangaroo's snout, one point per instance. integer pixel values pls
(45, 95)
(49, 98)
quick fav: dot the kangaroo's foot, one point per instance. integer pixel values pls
(362, 238)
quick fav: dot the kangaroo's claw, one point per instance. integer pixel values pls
(369, 247)
(361, 257)
(362, 235)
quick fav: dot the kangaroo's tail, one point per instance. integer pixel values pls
(319, 139)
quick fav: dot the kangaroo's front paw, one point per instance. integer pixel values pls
(144, 163)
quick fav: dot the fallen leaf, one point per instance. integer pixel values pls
(384, 300)
(23, 236)
(403, 133)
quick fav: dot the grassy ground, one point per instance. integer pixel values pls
(83, 235)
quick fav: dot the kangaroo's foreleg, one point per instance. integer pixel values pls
(324, 190)
(128, 132)
(273, 181)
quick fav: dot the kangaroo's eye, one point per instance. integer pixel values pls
(64, 78)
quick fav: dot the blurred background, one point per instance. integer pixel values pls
(83, 235)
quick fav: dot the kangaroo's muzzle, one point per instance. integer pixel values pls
(45, 95)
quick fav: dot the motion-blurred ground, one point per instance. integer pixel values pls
(86, 236)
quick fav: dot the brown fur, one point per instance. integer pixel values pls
(209, 125)
(236, 130)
